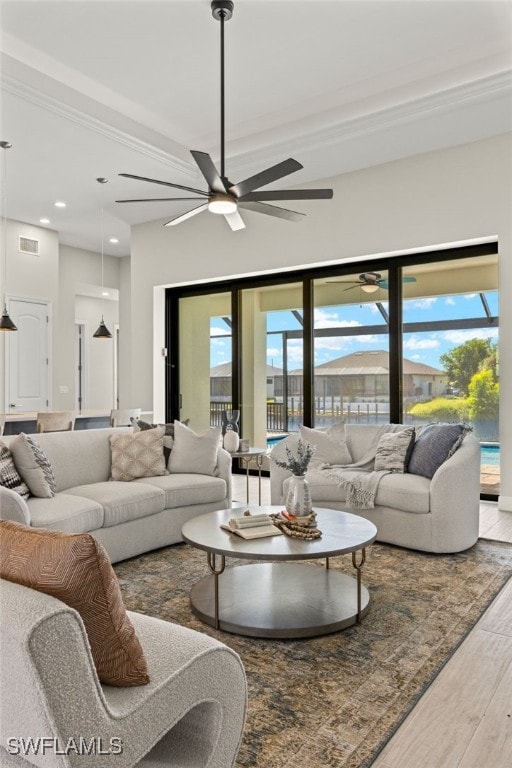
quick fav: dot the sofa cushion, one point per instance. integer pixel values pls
(192, 452)
(394, 450)
(9, 475)
(64, 512)
(33, 465)
(183, 490)
(75, 569)
(330, 446)
(434, 444)
(409, 493)
(122, 501)
(138, 454)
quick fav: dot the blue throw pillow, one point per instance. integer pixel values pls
(435, 444)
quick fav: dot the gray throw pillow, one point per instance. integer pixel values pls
(394, 450)
(435, 444)
(193, 453)
(9, 475)
(34, 466)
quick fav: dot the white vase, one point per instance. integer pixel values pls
(231, 440)
(298, 498)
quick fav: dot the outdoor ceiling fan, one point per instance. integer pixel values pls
(224, 197)
(370, 282)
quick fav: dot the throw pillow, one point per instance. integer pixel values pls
(435, 444)
(137, 454)
(394, 450)
(34, 466)
(194, 453)
(75, 568)
(9, 475)
(330, 447)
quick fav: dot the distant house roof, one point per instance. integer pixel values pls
(369, 362)
(223, 370)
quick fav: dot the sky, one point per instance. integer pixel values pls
(420, 347)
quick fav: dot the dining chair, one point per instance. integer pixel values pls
(55, 421)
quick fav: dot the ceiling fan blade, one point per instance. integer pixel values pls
(234, 220)
(158, 199)
(165, 183)
(209, 171)
(187, 215)
(273, 210)
(274, 173)
(385, 283)
(288, 194)
(408, 279)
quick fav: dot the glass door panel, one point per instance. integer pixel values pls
(272, 362)
(351, 349)
(205, 358)
(451, 354)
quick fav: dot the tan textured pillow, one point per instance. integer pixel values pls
(74, 568)
(138, 454)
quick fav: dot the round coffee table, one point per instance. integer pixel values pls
(274, 598)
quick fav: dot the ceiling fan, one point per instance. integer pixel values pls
(224, 197)
(370, 282)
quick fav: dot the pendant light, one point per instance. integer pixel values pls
(102, 331)
(6, 324)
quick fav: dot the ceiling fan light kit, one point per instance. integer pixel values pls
(223, 197)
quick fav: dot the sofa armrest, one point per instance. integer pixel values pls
(455, 499)
(224, 462)
(13, 507)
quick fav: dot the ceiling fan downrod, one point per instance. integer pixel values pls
(222, 10)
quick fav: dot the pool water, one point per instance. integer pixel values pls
(490, 455)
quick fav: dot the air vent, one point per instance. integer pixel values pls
(28, 245)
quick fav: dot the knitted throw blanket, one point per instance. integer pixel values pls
(360, 480)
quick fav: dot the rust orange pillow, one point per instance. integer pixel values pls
(75, 568)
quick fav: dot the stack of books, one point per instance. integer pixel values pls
(252, 526)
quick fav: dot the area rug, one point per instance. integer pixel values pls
(336, 700)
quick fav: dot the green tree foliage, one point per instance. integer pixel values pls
(441, 409)
(483, 400)
(462, 362)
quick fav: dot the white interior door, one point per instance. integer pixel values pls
(27, 355)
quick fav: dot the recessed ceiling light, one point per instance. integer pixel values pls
(105, 293)
(60, 204)
(44, 221)
(113, 240)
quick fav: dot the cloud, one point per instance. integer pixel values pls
(422, 303)
(450, 300)
(470, 296)
(416, 343)
(460, 337)
(325, 319)
(216, 331)
(219, 342)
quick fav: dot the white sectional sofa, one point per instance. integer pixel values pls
(128, 518)
(440, 514)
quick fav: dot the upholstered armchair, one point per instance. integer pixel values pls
(191, 713)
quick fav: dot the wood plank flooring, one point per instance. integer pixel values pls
(464, 720)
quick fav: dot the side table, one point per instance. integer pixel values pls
(245, 457)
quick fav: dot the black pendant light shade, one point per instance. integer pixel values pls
(6, 324)
(102, 332)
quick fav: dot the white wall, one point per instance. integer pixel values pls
(447, 196)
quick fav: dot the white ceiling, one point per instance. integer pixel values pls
(100, 87)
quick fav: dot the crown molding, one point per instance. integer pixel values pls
(102, 127)
(443, 102)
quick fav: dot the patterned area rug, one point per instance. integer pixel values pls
(336, 700)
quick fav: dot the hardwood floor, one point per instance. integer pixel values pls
(464, 720)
